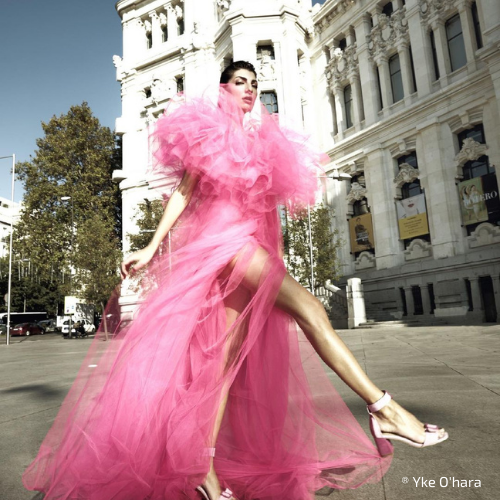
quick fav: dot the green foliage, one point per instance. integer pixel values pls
(75, 158)
(97, 259)
(148, 216)
(325, 244)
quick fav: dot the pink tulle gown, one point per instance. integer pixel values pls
(139, 418)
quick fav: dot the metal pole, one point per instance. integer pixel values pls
(311, 258)
(9, 287)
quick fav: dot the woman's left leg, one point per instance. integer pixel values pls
(234, 304)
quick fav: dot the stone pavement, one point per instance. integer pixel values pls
(445, 375)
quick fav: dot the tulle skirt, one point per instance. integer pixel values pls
(138, 420)
(140, 416)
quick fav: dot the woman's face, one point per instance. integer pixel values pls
(243, 86)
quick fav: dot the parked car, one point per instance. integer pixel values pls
(87, 327)
(49, 325)
(26, 329)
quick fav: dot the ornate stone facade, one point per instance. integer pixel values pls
(330, 72)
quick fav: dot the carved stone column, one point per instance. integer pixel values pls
(491, 21)
(477, 306)
(155, 29)
(421, 50)
(410, 304)
(171, 22)
(367, 73)
(385, 80)
(441, 49)
(406, 73)
(468, 33)
(426, 299)
(357, 100)
(338, 93)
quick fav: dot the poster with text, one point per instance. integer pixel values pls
(472, 201)
(361, 231)
(412, 217)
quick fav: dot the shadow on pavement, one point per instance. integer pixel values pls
(38, 390)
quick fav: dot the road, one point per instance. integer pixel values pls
(446, 375)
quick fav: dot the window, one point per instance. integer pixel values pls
(147, 92)
(456, 47)
(164, 33)
(412, 66)
(479, 167)
(477, 26)
(388, 9)
(264, 51)
(434, 55)
(342, 44)
(379, 87)
(180, 26)
(149, 40)
(270, 101)
(348, 106)
(180, 83)
(411, 189)
(396, 79)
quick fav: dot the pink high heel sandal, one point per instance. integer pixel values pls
(382, 439)
(227, 494)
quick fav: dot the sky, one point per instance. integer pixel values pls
(54, 54)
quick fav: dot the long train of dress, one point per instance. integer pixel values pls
(138, 419)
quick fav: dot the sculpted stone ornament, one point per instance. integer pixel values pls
(431, 10)
(343, 65)
(389, 32)
(266, 70)
(224, 5)
(357, 193)
(337, 9)
(406, 174)
(471, 150)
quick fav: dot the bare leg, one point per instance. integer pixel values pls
(311, 316)
(234, 305)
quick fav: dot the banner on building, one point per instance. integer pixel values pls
(361, 231)
(412, 217)
(472, 201)
(479, 199)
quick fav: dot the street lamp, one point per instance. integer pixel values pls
(9, 287)
(67, 198)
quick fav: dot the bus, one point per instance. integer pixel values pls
(25, 317)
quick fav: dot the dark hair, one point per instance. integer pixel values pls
(230, 70)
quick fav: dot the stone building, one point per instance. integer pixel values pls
(404, 96)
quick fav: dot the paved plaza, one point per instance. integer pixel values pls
(445, 375)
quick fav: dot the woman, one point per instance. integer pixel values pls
(211, 384)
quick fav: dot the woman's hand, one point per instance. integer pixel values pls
(137, 261)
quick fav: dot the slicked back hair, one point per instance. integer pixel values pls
(229, 71)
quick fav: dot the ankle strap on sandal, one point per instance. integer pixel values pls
(378, 405)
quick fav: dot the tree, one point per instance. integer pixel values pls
(148, 215)
(75, 158)
(325, 244)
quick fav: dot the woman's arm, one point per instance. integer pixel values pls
(176, 204)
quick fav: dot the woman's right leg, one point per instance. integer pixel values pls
(311, 316)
